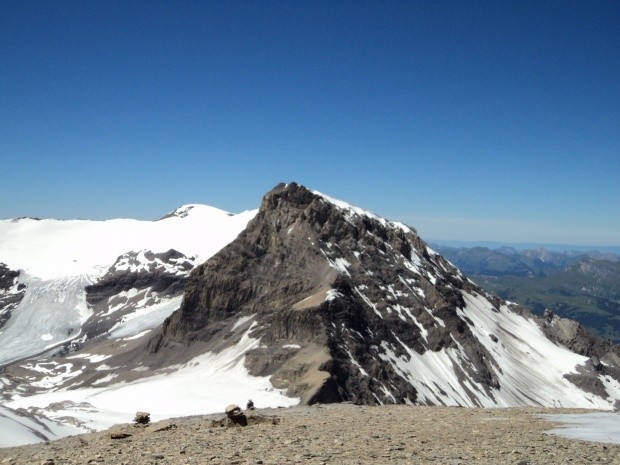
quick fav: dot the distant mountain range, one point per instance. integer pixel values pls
(581, 285)
(519, 246)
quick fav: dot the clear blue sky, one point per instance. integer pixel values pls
(472, 120)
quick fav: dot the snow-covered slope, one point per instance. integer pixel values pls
(52, 249)
(64, 285)
(205, 384)
(58, 260)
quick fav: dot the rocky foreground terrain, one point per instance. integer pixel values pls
(330, 434)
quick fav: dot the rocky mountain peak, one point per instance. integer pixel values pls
(350, 306)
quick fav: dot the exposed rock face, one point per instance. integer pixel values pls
(349, 306)
(577, 338)
(604, 355)
(11, 292)
(136, 280)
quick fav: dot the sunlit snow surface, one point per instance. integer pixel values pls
(207, 384)
(599, 427)
(53, 249)
(18, 430)
(58, 259)
(530, 368)
(50, 313)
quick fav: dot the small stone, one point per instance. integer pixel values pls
(142, 418)
(232, 409)
(235, 415)
(166, 427)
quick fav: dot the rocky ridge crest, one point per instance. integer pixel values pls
(345, 305)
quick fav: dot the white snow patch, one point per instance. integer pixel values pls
(339, 264)
(201, 386)
(367, 300)
(19, 430)
(599, 427)
(52, 249)
(427, 372)
(332, 294)
(92, 358)
(136, 336)
(242, 320)
(105, 367)
(105, 379)
(58, 375)
(356, 363)
(143, 319)
(351, 210)
(531, 367)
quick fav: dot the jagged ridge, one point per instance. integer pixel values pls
(372, 313)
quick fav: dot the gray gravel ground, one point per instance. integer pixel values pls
(331, 434)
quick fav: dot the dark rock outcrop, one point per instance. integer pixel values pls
(576, 337)
(164, 273)
(11, 292)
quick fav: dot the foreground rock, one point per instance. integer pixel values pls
(332, 434)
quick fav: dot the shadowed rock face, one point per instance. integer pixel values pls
(335, 294)
(11, 292)
(577, 338)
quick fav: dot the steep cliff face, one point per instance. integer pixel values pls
(11, 292)
(349, 306)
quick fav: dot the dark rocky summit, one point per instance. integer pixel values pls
(342, 301)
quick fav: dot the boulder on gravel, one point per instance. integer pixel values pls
(142, 418)
(236, 415)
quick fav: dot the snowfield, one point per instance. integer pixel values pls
(53, 249)
(205, 385)
(57, 260)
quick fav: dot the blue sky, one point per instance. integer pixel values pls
(469, 120)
